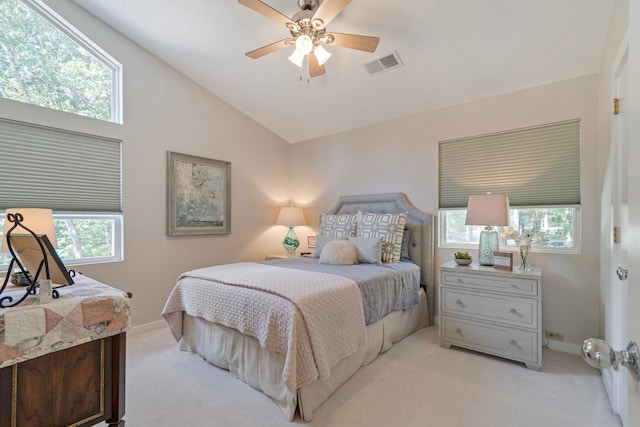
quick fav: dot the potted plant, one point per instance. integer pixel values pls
(462, 258)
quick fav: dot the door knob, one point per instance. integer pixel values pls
(599, 354)
(622, 273)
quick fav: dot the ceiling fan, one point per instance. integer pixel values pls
(308, 29)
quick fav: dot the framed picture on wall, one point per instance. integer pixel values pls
(198, 195)
(311, 241)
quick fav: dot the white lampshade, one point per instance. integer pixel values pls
(290, 216)
(297, 57)
(488, 210)
(40, 221)
(321, 54)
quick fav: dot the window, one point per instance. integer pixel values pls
(538, 168)
(82, 238)
(76, 175)
(44, 61)
(557, 228)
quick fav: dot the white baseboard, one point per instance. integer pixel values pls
(147, 327)
(566, 347)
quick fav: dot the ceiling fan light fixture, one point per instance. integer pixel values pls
(321, 55)
(297, 57)
(304, 44)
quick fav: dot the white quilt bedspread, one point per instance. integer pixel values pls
(314, 319)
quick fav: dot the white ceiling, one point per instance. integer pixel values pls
(454, 51)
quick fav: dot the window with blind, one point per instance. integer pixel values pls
(537, 167)
(76, 175)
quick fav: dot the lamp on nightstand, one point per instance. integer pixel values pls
(291, 217)
(488, 210)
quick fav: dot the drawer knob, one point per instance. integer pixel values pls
(460, 280)
(514, 343)
(460, 303)
(514, 311)
(459, 331)
(514, 286)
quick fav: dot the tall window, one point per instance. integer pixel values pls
(44, 61)
(76, 175)
(538, 168)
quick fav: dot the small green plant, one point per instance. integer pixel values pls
(462, 255)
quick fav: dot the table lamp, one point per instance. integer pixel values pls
(291, 217)
(488, 210)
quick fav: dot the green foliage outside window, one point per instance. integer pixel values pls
(556, 225)
(79, 238)
(41, 65)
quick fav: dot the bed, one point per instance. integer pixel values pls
(297, 329)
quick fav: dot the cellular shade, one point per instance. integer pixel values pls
(538, 166)
(43, 167)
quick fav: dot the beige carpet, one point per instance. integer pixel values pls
(416, 383)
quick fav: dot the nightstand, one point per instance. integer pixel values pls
(275, 256)
(493, 311)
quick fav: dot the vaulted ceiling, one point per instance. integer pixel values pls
(454, 51)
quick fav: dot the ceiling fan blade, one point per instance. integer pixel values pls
(354, 41)
(266, 10)
(315, 69)
(264, 50)
(329, 9)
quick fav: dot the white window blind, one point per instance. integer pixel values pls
(43, 167)
(537, 166)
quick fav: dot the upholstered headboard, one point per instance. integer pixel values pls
(421, 245)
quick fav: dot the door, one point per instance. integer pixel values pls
(615, 239)
(633, 174)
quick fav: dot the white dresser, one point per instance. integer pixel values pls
(493, 311)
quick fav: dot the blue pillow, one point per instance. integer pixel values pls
(404, 249)
(369, 249)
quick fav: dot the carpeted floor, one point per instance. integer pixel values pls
(416, 383)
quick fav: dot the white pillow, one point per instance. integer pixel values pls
(321, 241)
(339, 252)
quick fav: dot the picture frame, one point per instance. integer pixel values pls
(198, 195)
(311, 241)
(30, 254)
(503, 261)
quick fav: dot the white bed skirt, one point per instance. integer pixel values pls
(243, 357)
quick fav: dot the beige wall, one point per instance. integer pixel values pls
(402, 155)
(165, 111)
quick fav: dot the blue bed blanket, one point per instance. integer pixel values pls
(384, 287)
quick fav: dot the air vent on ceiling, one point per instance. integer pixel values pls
(383, 63)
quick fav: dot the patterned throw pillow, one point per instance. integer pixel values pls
(342, 225)
(388, 226)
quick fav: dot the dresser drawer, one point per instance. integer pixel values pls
(504, 342)
(521, 312)
(497, 283)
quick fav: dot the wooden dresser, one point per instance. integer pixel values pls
(62, 363)
(492, 311)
